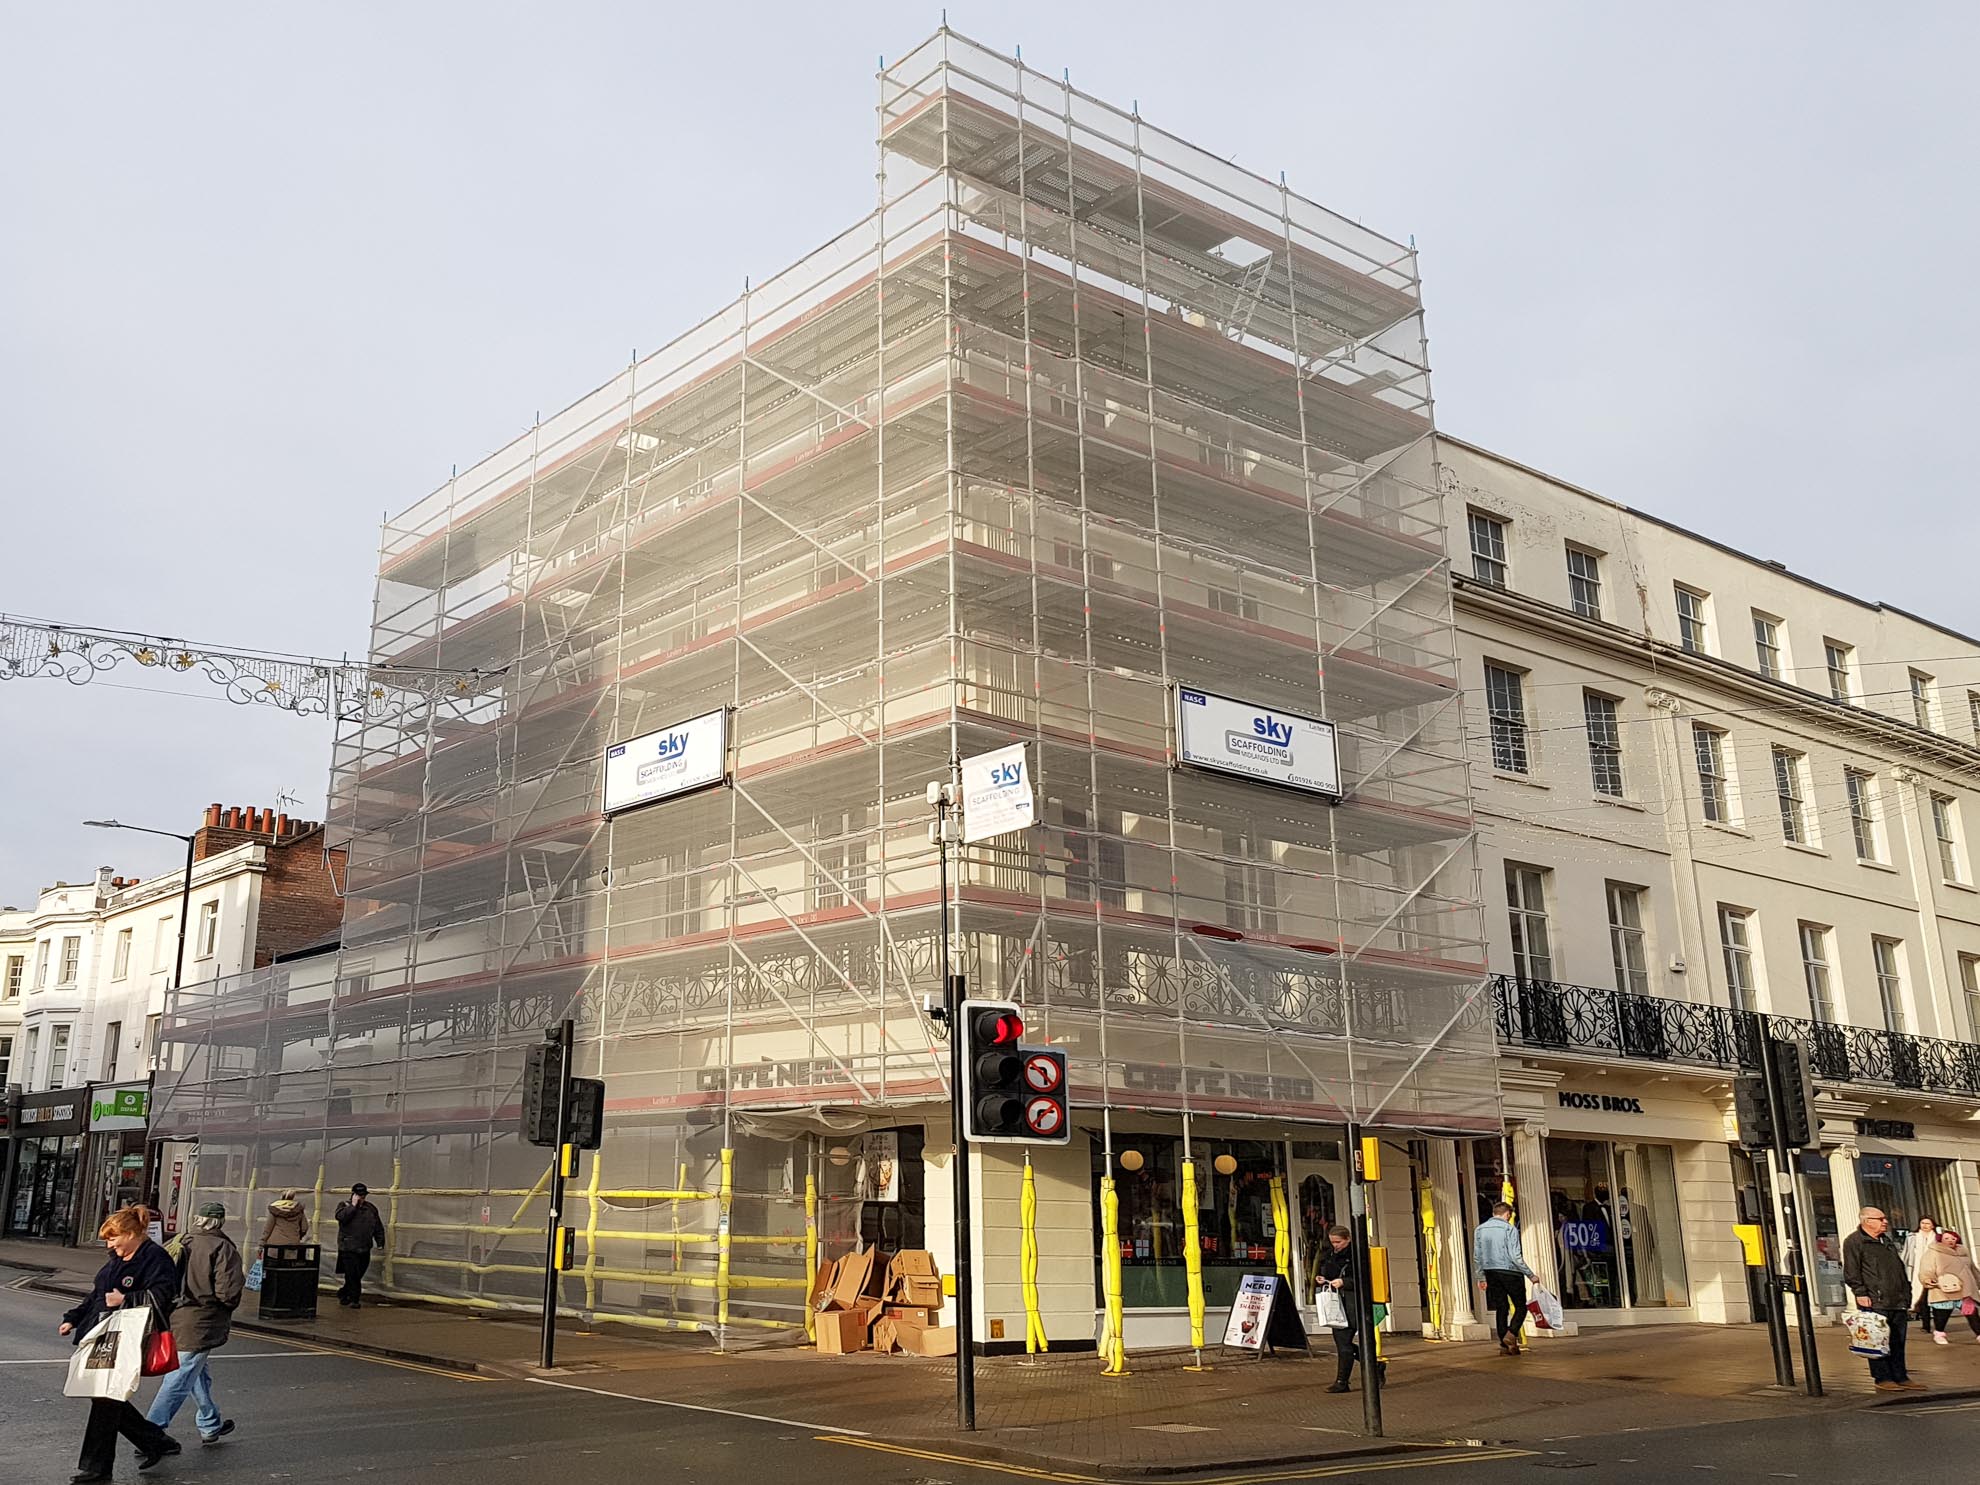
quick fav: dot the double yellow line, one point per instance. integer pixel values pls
(375, 1360)
(1363, 1466)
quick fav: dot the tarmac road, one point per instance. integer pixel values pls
(311, 1415)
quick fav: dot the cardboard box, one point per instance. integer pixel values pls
(886, 1336)
(913, 1280)
(820, 1296)
(925, 1340)
(853, 1279)
(923, 1315)
(841, 1332)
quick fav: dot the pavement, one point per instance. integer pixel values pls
(1164, 1418)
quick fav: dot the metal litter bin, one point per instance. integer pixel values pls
(289, 1273)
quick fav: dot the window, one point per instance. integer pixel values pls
(1921, 699)
(1604, 743)
(7, 1055)
(1488, 548)
(41, 965)
(1626, 942)
(1973, 712)
(16, 972)
(1694, 627)
(1836, 657)
(151, 1027)
(71, 961)
(58, 1056)
(1736, 940)
(162, 944)
(1505, 704)
(1788, 773)
(33, 1050)
(120, 963)
(1584, 582)
(1526, 909)
(1228, 601)
(1710, 746)
(1767, 645)
(1945, 825)
(209, 930)
(113, 1034)
(1969, 981)
(1815, 972)
(1890, 981)
(1862, 788)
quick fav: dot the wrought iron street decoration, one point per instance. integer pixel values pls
(348, 690)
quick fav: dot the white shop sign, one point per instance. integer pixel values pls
(1257, 742)
(656, 765)
(997, 793)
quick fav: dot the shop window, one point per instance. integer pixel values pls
(1617, 1236)
(1234, 1216)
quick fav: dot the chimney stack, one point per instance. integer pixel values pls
(212, 821)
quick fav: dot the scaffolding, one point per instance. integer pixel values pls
(1078, 414)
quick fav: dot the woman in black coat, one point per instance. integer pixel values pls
(138, 1273)
(1335, 1271)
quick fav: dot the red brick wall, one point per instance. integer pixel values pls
(299, 901)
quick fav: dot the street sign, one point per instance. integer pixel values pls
(1043, 1073)
(1045, 1117)
(997, 793)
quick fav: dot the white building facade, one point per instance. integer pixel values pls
(1710, 790)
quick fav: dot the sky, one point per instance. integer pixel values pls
(268, 272)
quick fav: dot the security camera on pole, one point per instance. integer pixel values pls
(1000, 1091)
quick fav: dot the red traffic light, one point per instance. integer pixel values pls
(998, 1029)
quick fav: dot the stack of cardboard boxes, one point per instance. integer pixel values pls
(859, 1307)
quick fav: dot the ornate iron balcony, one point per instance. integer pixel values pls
(1580, 1018)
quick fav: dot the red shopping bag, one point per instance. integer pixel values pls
(161, 1352)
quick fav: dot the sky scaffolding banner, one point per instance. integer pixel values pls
(656, 765)
(1258, 742)
(997, 793)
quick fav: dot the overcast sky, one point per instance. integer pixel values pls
(263, 278)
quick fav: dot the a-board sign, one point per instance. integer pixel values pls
(670, 761)
(1257, 742)
(1263, 1316)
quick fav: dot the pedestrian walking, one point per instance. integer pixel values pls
(288, 1224)
(138, 1273)
(1951, 1287)
(359, 1230)
(1873, 1271)
(211, 1283)
(1336, 1271)
(1496, 1254)
(1916, 1243)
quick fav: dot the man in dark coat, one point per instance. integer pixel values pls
(1873, 1271)
(211, 1283)
(359, 1230)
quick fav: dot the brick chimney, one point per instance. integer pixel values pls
(226, 826)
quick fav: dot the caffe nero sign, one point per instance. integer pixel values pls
(1602, 1103)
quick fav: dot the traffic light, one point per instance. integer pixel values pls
(993, 1073)
(1756, 1120)
(587, 1130)
(543, 1076)
(1794, 1086)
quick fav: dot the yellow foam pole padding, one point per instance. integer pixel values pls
(591, 1232)
(1034, 1322)
(1113, 1347)
(722, 1280)
(316, 1202)
(392, 1219)
(1192, 1253)
(1281, 1230)
(810, 1251)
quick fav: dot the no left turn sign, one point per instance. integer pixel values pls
(1041, 1073)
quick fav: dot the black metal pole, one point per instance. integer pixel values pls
(566, 1036)
(1777, 1339)
(185, 906)
(1790, 1216)
(1364, 1291)
(958, 1036)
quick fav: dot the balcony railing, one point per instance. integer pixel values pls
(1649, 1028)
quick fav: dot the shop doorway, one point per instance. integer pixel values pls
(1614, 1214)
(45, 1189)
(1317, 1177)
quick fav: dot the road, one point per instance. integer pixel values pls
(306, 1414)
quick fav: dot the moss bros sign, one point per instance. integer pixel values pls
(1601, 1103)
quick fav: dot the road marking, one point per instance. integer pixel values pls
(661, 1402)
(1314, 1472)
(241, 1356)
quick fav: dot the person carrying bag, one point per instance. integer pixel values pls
(128, 1295)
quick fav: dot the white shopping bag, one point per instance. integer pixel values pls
(1333, 1314)
(1869, 1332)
(110, 1359)
(1545, 1308)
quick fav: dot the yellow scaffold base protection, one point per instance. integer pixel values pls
(1113, 1344)
(1193, 1264)
(1034, 1321)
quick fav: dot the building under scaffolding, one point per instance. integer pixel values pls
(1079, 415)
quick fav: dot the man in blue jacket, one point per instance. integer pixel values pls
(1495, 1253)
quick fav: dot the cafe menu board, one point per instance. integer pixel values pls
(1263, 1317)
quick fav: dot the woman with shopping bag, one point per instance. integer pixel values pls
(127, 1301)
(1951, 1287)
